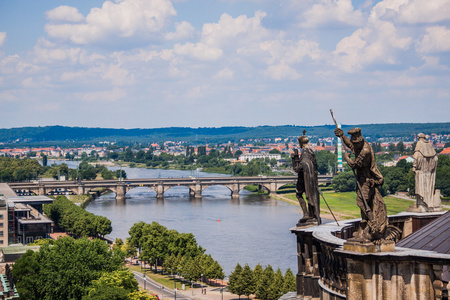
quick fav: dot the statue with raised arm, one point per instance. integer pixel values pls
(305, 166)
(424, 165)
(368, 178)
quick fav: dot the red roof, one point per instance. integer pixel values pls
(446, 151)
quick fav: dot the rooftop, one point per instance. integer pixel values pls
(433, 237)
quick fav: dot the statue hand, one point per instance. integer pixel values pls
(371, 182)
(338, 132)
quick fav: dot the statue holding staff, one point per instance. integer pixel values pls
(368, 178)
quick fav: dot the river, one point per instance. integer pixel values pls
(252, 229)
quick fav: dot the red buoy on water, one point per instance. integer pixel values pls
(218, 221)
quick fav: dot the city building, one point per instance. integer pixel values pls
(3, 222)
(25, 220)
(250, 156)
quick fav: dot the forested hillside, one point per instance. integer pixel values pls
(62, 134)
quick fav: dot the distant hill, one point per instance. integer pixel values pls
(70, 135)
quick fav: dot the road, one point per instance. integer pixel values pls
(212, 293)
(156, 288)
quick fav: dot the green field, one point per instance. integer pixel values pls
(344, 205)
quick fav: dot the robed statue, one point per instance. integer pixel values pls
(424, 165)
(368, 178)
(305, 165)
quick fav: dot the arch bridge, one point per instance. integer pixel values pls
(159, 185)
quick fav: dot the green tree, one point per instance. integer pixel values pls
(274, 151)
(401, 147)
(443, 175)
(236, 284)
(123, 279)
(107, 293)
(44, 160)
(257, 274)
(344, 182)
(263, 290)
(248, 281)
(326, 162)
(63, 270)
(290, 283)
(276, 289)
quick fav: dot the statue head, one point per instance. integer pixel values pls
(303, 139)
(421, 136)
(356, 136)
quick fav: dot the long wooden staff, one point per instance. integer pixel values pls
(366, 206)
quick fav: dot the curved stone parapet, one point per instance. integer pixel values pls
(327, 271)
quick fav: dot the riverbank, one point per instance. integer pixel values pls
(344, 205)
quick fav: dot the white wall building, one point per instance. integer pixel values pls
(250, 156)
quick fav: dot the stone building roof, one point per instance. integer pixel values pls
(433, 237)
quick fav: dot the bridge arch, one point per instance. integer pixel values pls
(205, 187)
(149, 188)
(264, 187)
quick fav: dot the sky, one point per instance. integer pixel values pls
(215, 63)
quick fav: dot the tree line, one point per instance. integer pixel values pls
(398, 178)
(75, 269)
(265, 284)
(16, 169)
(177, 253)
(74, 219)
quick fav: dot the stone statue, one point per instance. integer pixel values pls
(368, 178)
(424, 165)
(305, 166)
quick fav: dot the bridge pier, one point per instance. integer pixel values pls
(41, 191)
(273, 187)
(160, 190)
(120, 192)
(235, 190)
(198, 190)
(80, 190)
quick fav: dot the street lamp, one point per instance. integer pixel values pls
(144, 281)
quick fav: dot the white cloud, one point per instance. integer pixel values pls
(13, 64)
(378, 41)
(225, 73)
(117, 75)
(183, 30)
(425, 11)
(228, 33)
(229, 30)
(282, 72)
(332, 12)
(143, 19)
(102, 96)
(199, 51)
(436, 39)
(65, 13)
(36, 82)
(2, 38)
(289, 51)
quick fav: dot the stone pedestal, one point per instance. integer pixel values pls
(369, 247)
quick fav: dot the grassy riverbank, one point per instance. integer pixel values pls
(344, 205)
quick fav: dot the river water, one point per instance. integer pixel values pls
(252, 229)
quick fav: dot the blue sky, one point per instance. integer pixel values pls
(213, 63)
